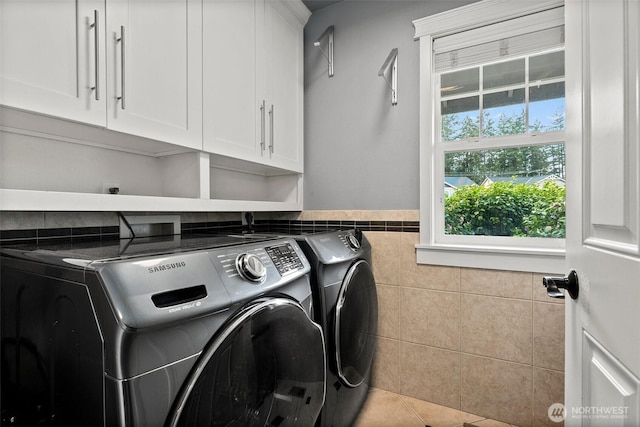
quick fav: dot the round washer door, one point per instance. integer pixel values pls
(267, 367)
(356, 324)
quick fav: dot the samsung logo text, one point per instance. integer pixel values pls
(165, 267)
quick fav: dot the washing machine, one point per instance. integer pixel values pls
(346, 305)
(213, 331)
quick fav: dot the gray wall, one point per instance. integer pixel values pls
(360, 152)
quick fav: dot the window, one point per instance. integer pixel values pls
(492, 136)
(504, 107)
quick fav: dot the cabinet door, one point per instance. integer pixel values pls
(48, 55)
(284, 50)
(233, 119)
(154, 69)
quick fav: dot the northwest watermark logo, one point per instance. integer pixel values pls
(557, 412)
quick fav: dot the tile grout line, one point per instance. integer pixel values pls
(402, 397)
(462, 353)
(413, 411)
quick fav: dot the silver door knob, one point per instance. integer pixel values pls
(554, 284)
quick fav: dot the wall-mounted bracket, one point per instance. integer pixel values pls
(328, 35)
(391, 64)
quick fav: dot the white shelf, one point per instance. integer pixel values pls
(49, 164)
(30, 200)
(42, 126)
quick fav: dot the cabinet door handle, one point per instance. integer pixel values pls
(271, 142)
(262, 126)
(122, 67)
(96, 48)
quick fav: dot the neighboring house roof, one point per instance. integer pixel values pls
(457, 181)
(522, 179)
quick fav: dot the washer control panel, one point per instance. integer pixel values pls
(250, 267)
(285, 258)
(255, 268)
(249, 264)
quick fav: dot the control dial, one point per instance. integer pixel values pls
(353, 241)
(250, 267)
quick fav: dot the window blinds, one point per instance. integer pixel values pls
(515, 37)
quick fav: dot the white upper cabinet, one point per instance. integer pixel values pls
(148, 82)
(154, 69)
(253, 80)
(191, 105)
(284, 85)
(223, 76)
(51, 56)
(232, 120)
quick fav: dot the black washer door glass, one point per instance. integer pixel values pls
(356, 324)
(267, 368)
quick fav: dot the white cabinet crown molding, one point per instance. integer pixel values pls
(299, 10)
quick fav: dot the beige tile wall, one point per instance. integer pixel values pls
(482, 341)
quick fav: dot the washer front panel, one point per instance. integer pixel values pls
(267, 367)
(134, 286)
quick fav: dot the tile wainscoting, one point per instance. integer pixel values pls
(486, 342)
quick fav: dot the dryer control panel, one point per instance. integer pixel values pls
(337, 246)
(350, 240)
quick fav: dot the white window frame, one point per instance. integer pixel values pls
(544, 255)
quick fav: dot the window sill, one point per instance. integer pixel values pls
(533, 260)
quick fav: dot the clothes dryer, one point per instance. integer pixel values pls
(212, 331)
(346, 305)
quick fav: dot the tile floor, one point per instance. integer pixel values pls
(387, 409)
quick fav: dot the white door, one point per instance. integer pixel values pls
(154, 69)
(602, 362)
(51, 56)
(234, 122)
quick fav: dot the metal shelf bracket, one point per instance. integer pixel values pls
(328, 35)
(391, 64)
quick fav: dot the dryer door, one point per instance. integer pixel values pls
(356, 324)
(266, 367)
